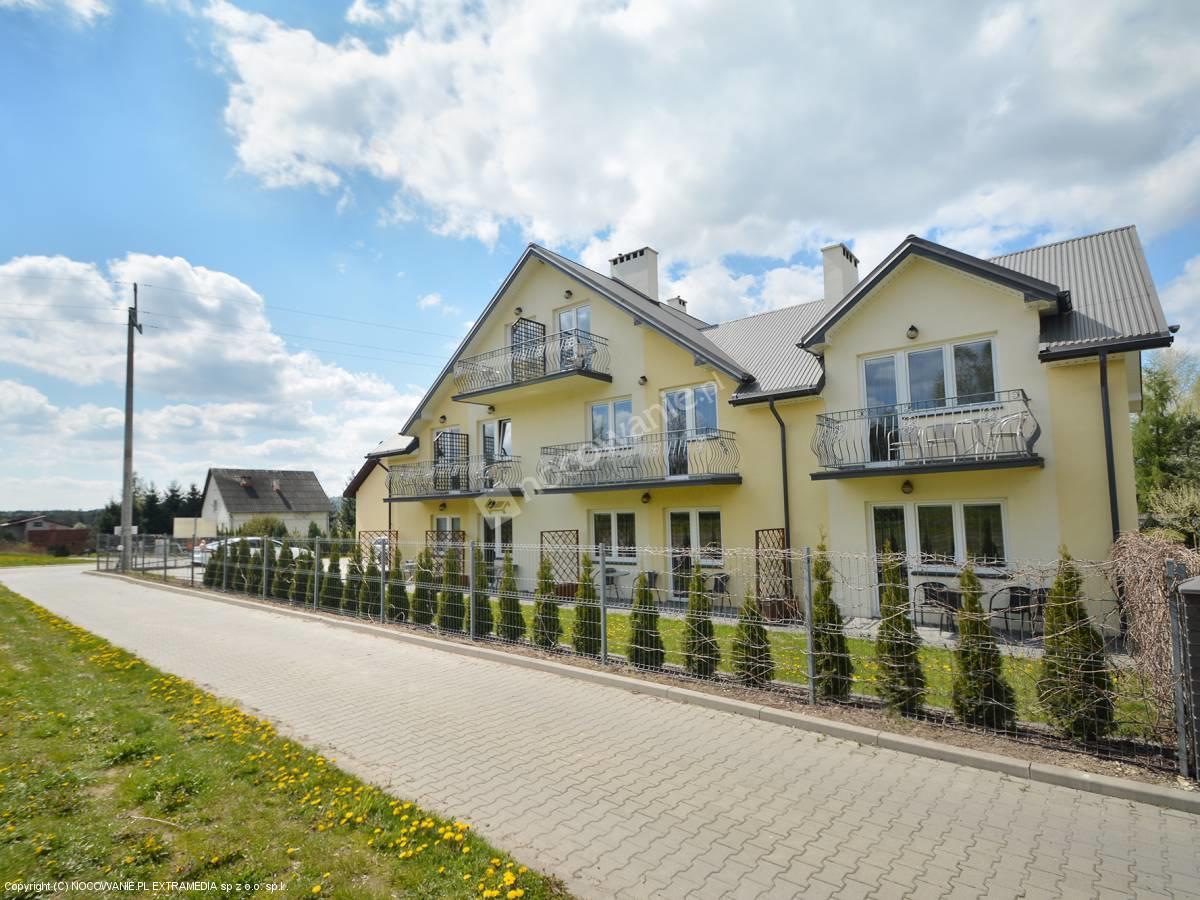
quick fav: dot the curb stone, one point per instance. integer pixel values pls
(1059, 776)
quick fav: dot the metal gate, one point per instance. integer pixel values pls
(772, 574)
(562, 549)
(528, 350)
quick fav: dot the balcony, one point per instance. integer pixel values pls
(535, 360)
(982, 431)
(670, 459)
(461, 476)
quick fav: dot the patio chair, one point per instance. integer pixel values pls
(1024, 603)
(1008, 434)
(939, 440)
(906, 443)
(941, 599)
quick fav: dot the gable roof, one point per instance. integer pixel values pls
(299, 491)
(1114, 304)
(1034, 289)
(766, 345)
(675, 325)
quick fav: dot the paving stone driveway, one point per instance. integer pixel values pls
(632, 796)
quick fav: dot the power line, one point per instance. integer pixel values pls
(62, 278)
(304, 312)
(68, 321)
(25, 303)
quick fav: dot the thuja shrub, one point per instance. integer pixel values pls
(300, 590)
(370, 592)
(353, 582)
(901, 681)
(645, 641)
(511, 626)
(832, 668)
(238, 563)
(281, 579)
(585, 636)
(482, 621)
(425, 591)
(547, 628)
(397, 590)
(331, 580)
(752, 661)
(1076, 686)
(451, 611)
(980, 695)
(212, 568)
(701, 653)
(254, 571)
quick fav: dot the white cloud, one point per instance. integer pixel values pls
(1181, 304)
(704, 131)
(215, 384)
(80, 12)
(429, 301)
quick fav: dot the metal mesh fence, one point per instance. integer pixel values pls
(1036, 651)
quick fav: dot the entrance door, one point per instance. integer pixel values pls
(497, 540)
(882, 396)
(528, 350)
(680, 527)
(889, 536)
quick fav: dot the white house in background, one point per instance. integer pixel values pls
(234, 496)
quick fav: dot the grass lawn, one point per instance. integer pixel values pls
(9, 560)
(788, 649)
(112, 770)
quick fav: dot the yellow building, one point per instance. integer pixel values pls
(946, 406)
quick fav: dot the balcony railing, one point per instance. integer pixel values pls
(701, 454)
(560, 353)
(456, 475)
(993, 428)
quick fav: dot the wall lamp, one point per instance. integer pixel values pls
(912, 332)
(646, 497)
(441, 507)
(642, 379)
(518, 311)
(568, 294)
(491, 409)
(442, 420)
(906, 487)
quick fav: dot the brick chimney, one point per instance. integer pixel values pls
(638, 269)
(841, 271)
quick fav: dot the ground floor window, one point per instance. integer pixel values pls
(496, 537)
(447, 524)
(948, 533)
(618, 533)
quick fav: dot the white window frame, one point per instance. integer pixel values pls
(575, 307)
(500, 452)
(912, 536)
(903, 387)
(449, 520)
(693, 512)
(614, 555)
(611, 404)
(690, 409)
(496, 520)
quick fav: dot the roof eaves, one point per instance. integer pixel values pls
(1095, 348)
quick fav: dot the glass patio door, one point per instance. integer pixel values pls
(680, 527)
(497, 540)
(690, 414)
(574, 326)
(879, 376)
(889, 536)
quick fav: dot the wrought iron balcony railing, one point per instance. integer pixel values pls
(560, 353)
(698, 454)
(456, 475)
(980, 428)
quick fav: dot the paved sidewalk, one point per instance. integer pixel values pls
(626, 795)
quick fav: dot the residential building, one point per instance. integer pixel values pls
(234, 496)
(947, 406)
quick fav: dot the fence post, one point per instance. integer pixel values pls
(603, 606)
(384, 571)
(166, 550)
(224, 564)
(471, 588)
(266, 548)
(809, 631)
(1183, 604)
(316, 573)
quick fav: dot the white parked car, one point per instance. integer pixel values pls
(205, 549)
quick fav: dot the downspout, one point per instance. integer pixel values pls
(385, 488)
(1106, 411)
(783, 465)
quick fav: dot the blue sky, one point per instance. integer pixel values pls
(386, 160)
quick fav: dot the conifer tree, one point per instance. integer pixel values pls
(331, 580)
(512, 619)
(1076, 686)
(281, 581)
(370, 594)
(547, 628)
(451, 610)
(482, 620)
(300, 590)
(586, 633)
(752, 662)
(645, 642)
(701, 653)
(901, 681)
(238, 567)
(425, 591)
(397, 591)
(254, 572)
(212, 569)
(831, 654)
(353, 582)
(979, 695)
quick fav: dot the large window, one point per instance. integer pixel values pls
(610, 421)
(617, 531)
(496, 438)
(691, 409)
(697, 532)
(929, 377)
(946, 534)
(447, 524)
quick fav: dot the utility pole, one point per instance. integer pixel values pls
(127, 488)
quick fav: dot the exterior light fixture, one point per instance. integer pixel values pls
(642, 379)
(491, 409)
(518, 310)
(646, 497)
(912, 332)
(567, 294)
(442, 420)
(906, 487)
(441, 507)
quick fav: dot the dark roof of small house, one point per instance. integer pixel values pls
(299, 491)
(1114, 304)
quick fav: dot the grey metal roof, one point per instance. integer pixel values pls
(1114, 303)
(396, 445)
(766, 344)
(299, 491)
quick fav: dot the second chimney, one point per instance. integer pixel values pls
(841, 271)
(638, 269)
